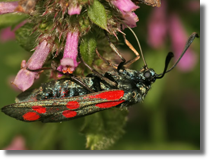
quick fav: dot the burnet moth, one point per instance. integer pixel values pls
(73, 97)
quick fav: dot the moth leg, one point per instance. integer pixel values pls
(81, 83)
(38, 70)
(96, 82)
(95, 72)
(53, 67)
(115, 49)
(128, 63)
(71, 77)
(105, 60)
(124, 63)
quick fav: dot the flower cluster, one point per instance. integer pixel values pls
(62, 27)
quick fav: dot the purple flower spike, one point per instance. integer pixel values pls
(69, 60)
(179, 38)
(74, 10)
(8, 7)
(157, 27)
(25, 78)
(127, 7)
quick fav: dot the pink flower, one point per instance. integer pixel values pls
(157, 27)
(69, 61)
(6, 34)
(130, 19)
(160, 24)
(74, 10)
(8, 7)
(179, 37)
(25, 78)
(193, 6)
(124, 5)
(127, 7)
(18, 143)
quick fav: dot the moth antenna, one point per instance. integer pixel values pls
(168, 58)
(189, 42)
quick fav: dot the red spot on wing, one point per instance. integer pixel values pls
(109, 95)
(72, 105)
(39, 109)
(31, 116)
(69, 114)
(108, 104)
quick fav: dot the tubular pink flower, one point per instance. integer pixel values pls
(25, 78)
(74, 10)
(18, 143)
(124, 5)
(69, 61)
(130, 19)
(157, 27)
(6, 35)
(127, 7)
(8, 7)
(179, 38)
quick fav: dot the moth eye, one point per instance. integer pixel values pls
(147, 74)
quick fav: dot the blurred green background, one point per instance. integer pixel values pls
(168, 119)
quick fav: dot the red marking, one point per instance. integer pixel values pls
(31, 116)
(109, 95)
(72, 105)
(108, 104)
(39, 109)
(69, 114)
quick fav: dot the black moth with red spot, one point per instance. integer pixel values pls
(65, 99)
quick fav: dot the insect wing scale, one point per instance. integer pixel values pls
(53, 110)
(86, 110)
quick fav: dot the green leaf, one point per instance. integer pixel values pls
(25, 38)
(87, 48)
(97, 14)
(102, 129)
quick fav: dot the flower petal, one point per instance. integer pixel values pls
(38, 58)
(74, 10)
(25, 79)
(125, 5)
(130, 19)
(8, 7)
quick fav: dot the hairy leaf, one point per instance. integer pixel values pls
(102, 129)
(97, 14)
(87, 48)
(25, 37)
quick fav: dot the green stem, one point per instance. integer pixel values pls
(158, 125)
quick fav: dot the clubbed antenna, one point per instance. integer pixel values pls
(170, 55)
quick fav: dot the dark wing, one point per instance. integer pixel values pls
(54, 110)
